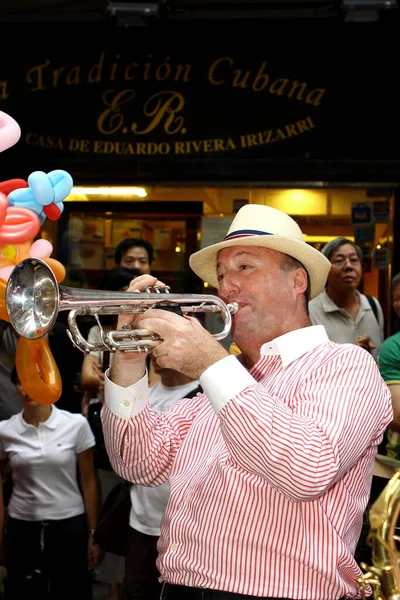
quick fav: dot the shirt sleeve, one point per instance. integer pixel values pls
(85, 438)
(224, 380)
(141, 443)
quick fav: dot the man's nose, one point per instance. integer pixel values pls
(348, 263)
(228, 285)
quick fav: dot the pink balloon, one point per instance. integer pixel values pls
(6, 271)
(41, 249)
(10, 131)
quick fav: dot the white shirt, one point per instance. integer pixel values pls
(43, 464)
(148, 503)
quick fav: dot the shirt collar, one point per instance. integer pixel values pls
(51, 422)
(328, 304)
(294, 344)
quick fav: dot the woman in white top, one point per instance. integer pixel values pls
(49, 532)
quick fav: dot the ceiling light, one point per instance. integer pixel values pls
(109, 191)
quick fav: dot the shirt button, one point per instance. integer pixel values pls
(139, 397)
(187, 499)
(174, 547)
(126, 403)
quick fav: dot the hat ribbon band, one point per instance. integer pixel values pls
(245, 233)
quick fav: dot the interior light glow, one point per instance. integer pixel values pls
(109, 191)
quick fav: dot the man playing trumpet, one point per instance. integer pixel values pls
(270, 469)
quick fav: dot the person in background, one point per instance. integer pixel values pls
(49, 530)
(347, 315)
(111, 568)
(148, 503)
(389, 366)
(134, 253)
(270, 469)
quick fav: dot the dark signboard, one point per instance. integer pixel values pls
(289, 100)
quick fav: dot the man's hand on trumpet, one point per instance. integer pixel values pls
(186, 347)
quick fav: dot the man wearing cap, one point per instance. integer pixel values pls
(270, 468)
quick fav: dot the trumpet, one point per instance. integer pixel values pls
(34, 298)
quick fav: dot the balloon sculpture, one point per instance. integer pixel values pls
(24, 206)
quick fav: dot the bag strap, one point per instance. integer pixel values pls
(372, 304)
(195, 391)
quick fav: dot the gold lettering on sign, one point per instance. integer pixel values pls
(35, 76)
(211, 72)
(163, 104)
(198, 146)
(111, 120)
(262, 138)
(3, 90)
(44, 141)
(44, 75)
(222, 71)
(94, 75)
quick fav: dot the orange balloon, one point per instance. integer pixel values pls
(57, 268)
(23, 248)
(37, 370)
(6, 262)
(21, 256)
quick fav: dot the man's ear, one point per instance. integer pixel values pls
(300, 280)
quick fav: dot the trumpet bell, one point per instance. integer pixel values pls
(32, 298)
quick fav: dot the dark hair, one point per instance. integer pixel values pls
(333, 245)
(130, 243)
(119, 277)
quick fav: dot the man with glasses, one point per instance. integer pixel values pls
(348, 315)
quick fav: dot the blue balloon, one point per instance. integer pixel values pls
(44, 189)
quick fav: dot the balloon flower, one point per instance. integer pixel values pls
(24, 206)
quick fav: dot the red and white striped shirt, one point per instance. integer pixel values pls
(269, 471)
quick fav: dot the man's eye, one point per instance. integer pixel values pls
(220, 277)
(243, 267)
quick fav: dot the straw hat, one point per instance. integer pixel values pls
(259, 225)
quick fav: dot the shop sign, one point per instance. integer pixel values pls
(381, 211)
(97, 99)
(361, 213)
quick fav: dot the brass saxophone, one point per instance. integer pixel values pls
(384, 574)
